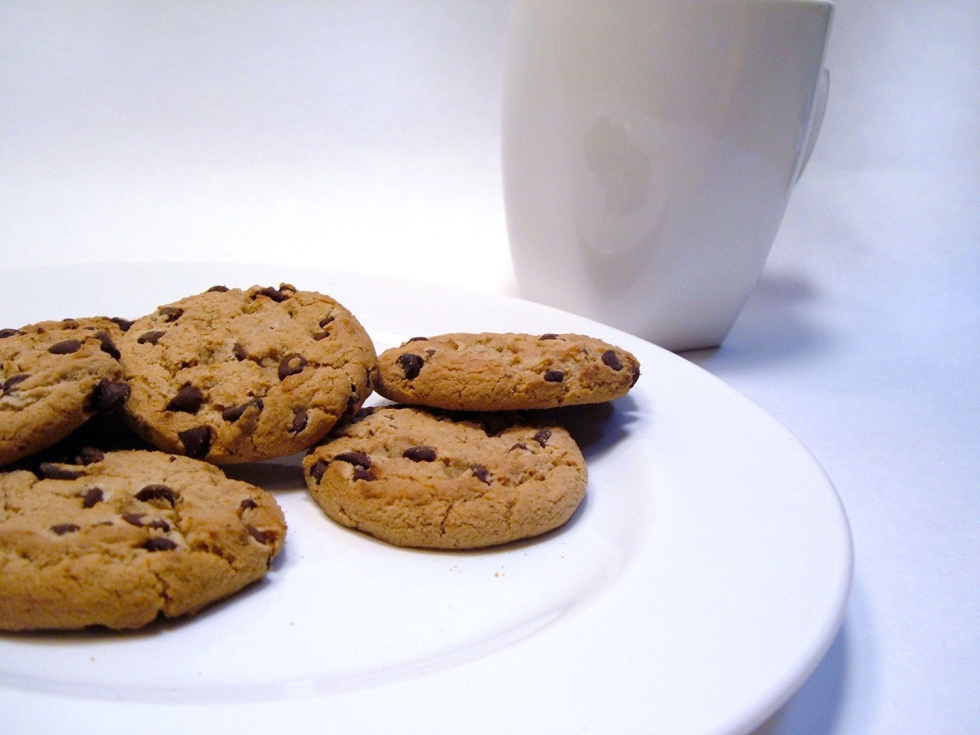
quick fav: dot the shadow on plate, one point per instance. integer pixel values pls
(595, 427)
(274, 475)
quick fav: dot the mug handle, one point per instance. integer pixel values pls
(819, 108)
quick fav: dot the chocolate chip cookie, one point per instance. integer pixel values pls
(414, 477)
(118, 539)
(505, 372)
(238, 376)
(54, 376)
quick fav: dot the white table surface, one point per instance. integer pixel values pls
(365, 136)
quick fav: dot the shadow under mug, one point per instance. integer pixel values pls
(649, 152)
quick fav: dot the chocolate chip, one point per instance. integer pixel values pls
(300, 419)
(55, 471)
(188, 400)
(62, 528)
(159, 524)
(418, 339)
(611, 359)
(276, 294)
(67, 347)
(159, 543)
(318, 468)
(358, 459)
(481, 473)
(109, 396)
(108, 346)
(151, 337)
(89, 455)
(542, 436)
(92, 497)
(233, 413)
(291, 364)
(123, 324)
(155, 492)
(218, 289)
(360, 473)
(133, 519)
(548, 336)
(554, 376)
(411, 364)
(4, 333)
(258, 535)
(248, 504)
(170, 314)
(239, 351)
(9, 384)
(196, 441)
(324, 323)
(518, 445)
(420, 453)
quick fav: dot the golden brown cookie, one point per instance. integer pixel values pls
(122, 537)
(412, 477)
(54, 376)
(505, 372)
(238, 376)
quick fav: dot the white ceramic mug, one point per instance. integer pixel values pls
(649, 152)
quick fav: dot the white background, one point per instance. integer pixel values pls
(364, 136)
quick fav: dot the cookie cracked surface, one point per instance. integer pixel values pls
(505, 371)
(413, 477)
(120, 538)
(54, 376)
(238, 376)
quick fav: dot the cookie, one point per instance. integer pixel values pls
(54, 376)
(124, 537)
(412, 477)
(505, 372)
(239, 376)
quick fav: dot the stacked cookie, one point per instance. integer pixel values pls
(113, 507)
(459, 463)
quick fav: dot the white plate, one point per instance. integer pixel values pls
(696, 588)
